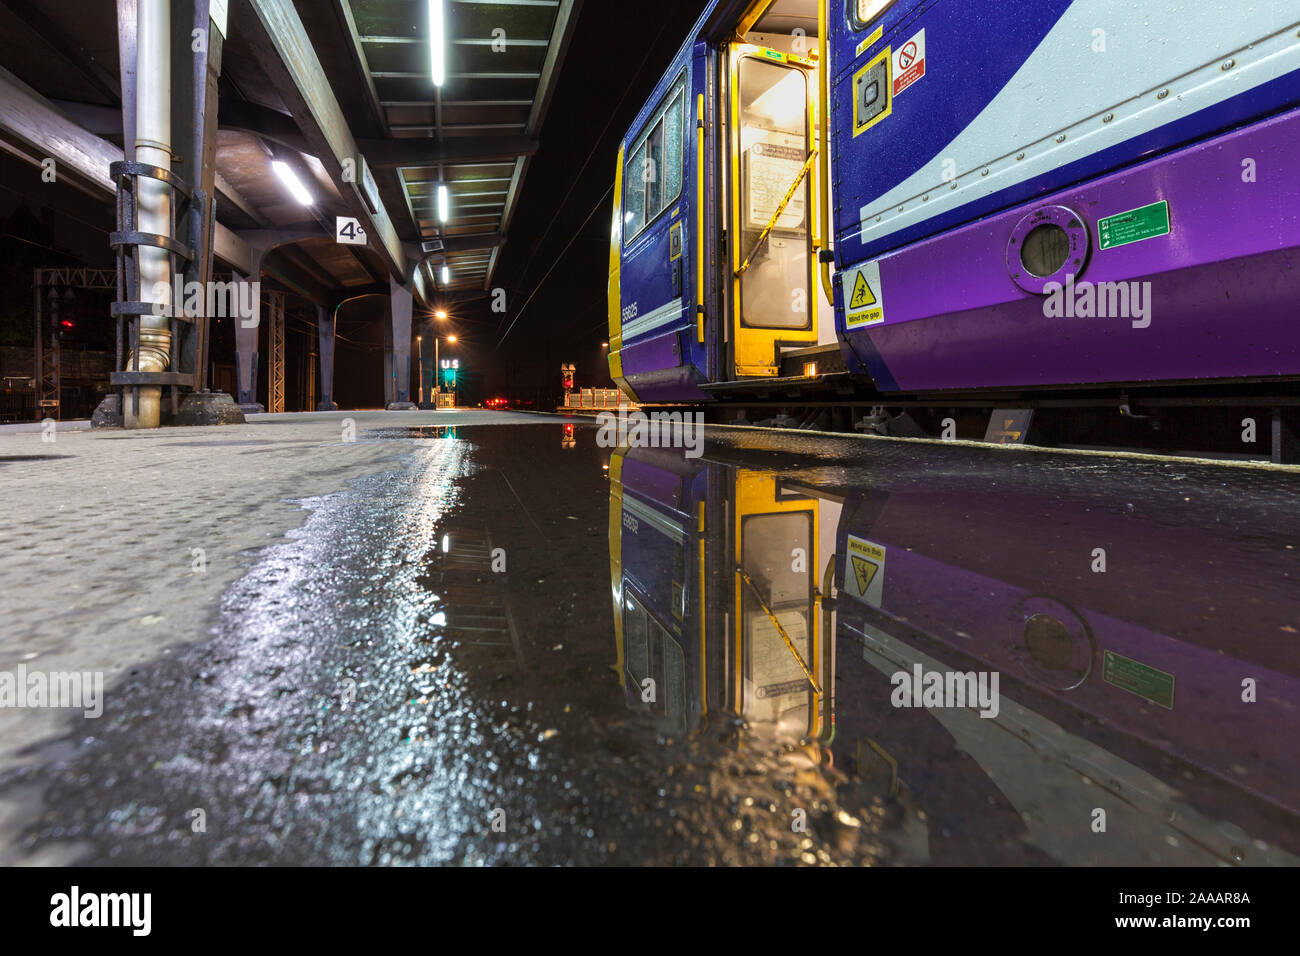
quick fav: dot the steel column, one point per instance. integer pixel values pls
(325, 322)
(400, 305)
(275, 346)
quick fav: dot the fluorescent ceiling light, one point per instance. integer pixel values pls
(444, 204)
(290, 179)
(446, 275)
(437, 42)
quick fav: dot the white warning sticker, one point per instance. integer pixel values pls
(909, 62)
(864, 299)
(864, 571)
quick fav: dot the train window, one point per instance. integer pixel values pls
(634, 201)
(653, 177)
(1045, 250)
(863, 12)
(637, 641)
(674, 129)
(776, 688)
(654, 168)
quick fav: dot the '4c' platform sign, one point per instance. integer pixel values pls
(348, 231)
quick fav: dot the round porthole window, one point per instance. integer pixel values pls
(1049, 643)
(1047, 246)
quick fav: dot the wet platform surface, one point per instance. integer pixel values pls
(515, 646)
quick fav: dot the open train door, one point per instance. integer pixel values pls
(771, 170)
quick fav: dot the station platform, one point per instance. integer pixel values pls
(352, 637)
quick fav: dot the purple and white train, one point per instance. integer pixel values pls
(984, 203)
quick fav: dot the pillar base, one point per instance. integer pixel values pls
(428, 407)
(209, 408)
(402, 407)
(107, 414)
(326, 407)
(252, 408)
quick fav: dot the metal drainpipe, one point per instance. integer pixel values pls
(153, 146)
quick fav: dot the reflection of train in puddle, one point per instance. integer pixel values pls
(1124, 732)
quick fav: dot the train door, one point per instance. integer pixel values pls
(771, 209)
(778, 653)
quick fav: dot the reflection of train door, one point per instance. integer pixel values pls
(652, 652)
(772, 175)
(776, 627)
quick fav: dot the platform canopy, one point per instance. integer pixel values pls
(342, 93)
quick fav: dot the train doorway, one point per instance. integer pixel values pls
(772, 173)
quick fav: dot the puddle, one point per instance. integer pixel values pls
(520, 647)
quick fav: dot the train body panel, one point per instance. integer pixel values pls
(1210, 299)
(654, 352)
(797, 605)
(966, 576)
(961, 128)
(1007, 101)
(1015, 194)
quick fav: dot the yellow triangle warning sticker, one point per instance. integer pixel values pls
(862, 294)
(865, 571)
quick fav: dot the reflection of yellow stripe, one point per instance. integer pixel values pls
(789, 644)
(703, 605)
(616, 558)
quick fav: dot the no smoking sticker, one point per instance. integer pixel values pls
(909, 63)
(864, 298)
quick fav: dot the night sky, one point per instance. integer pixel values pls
(616, 57)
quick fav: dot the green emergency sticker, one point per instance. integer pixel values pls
(1145, 222)
(1138, 678)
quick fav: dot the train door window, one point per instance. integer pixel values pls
(654, 167)
(652, 651)
(863, 12)
(634, 636)
(652, 179)
(775, 687)
(773, 100)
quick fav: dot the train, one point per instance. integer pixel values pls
(747, 588)
(938, 210)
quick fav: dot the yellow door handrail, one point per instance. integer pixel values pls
(789, 194)
(699, 219)
(780, 630)
(823, 185)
